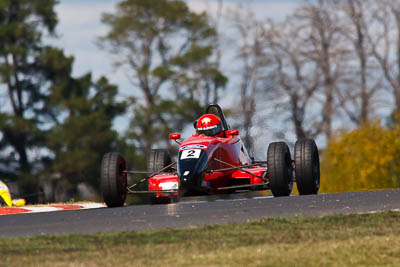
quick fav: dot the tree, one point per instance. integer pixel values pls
(297, 78)
(166, 51)
(385, 45)
(212, 87)
(50, 122)
(85, 135)
(252, 65)
(357, 89)
(22, 24)
(324, 44)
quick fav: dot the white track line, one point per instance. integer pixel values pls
(92, 205)
(53, 207)
(41, 209)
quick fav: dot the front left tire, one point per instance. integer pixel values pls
(158, 159)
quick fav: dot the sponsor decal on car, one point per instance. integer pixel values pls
(207, 128)
(197, 146)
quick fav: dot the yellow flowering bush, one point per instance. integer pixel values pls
(364, 159)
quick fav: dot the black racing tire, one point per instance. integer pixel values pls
(157, 160)
(307, 170)
(113, 179)
(280, 169)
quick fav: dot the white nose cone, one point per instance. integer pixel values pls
(169, 185)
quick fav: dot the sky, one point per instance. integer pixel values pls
(80, 25)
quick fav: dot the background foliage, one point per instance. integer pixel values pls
(362, 159)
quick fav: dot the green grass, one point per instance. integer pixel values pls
(351, 240)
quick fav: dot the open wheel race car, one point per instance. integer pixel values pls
(213, 161)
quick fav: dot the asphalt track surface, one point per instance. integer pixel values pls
(195, 213)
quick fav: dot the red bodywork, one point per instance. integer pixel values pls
(228, 149)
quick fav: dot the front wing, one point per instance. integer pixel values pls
(170, 182)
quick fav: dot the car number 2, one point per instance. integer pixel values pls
(191, 154)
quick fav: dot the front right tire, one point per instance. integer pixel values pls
(280, 170)
(113, 179)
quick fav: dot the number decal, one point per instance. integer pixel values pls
(191, 154)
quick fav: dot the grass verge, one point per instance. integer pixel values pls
(351, 240)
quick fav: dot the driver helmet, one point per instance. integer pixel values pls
(209, 125)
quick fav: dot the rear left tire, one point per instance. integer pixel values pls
(307, 170)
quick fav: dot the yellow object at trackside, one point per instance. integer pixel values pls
(19, 202)
(5, 194)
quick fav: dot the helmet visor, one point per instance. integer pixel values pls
(210, 130)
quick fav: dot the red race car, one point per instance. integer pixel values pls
(213, 161)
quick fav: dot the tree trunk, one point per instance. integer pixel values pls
(148, 138)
